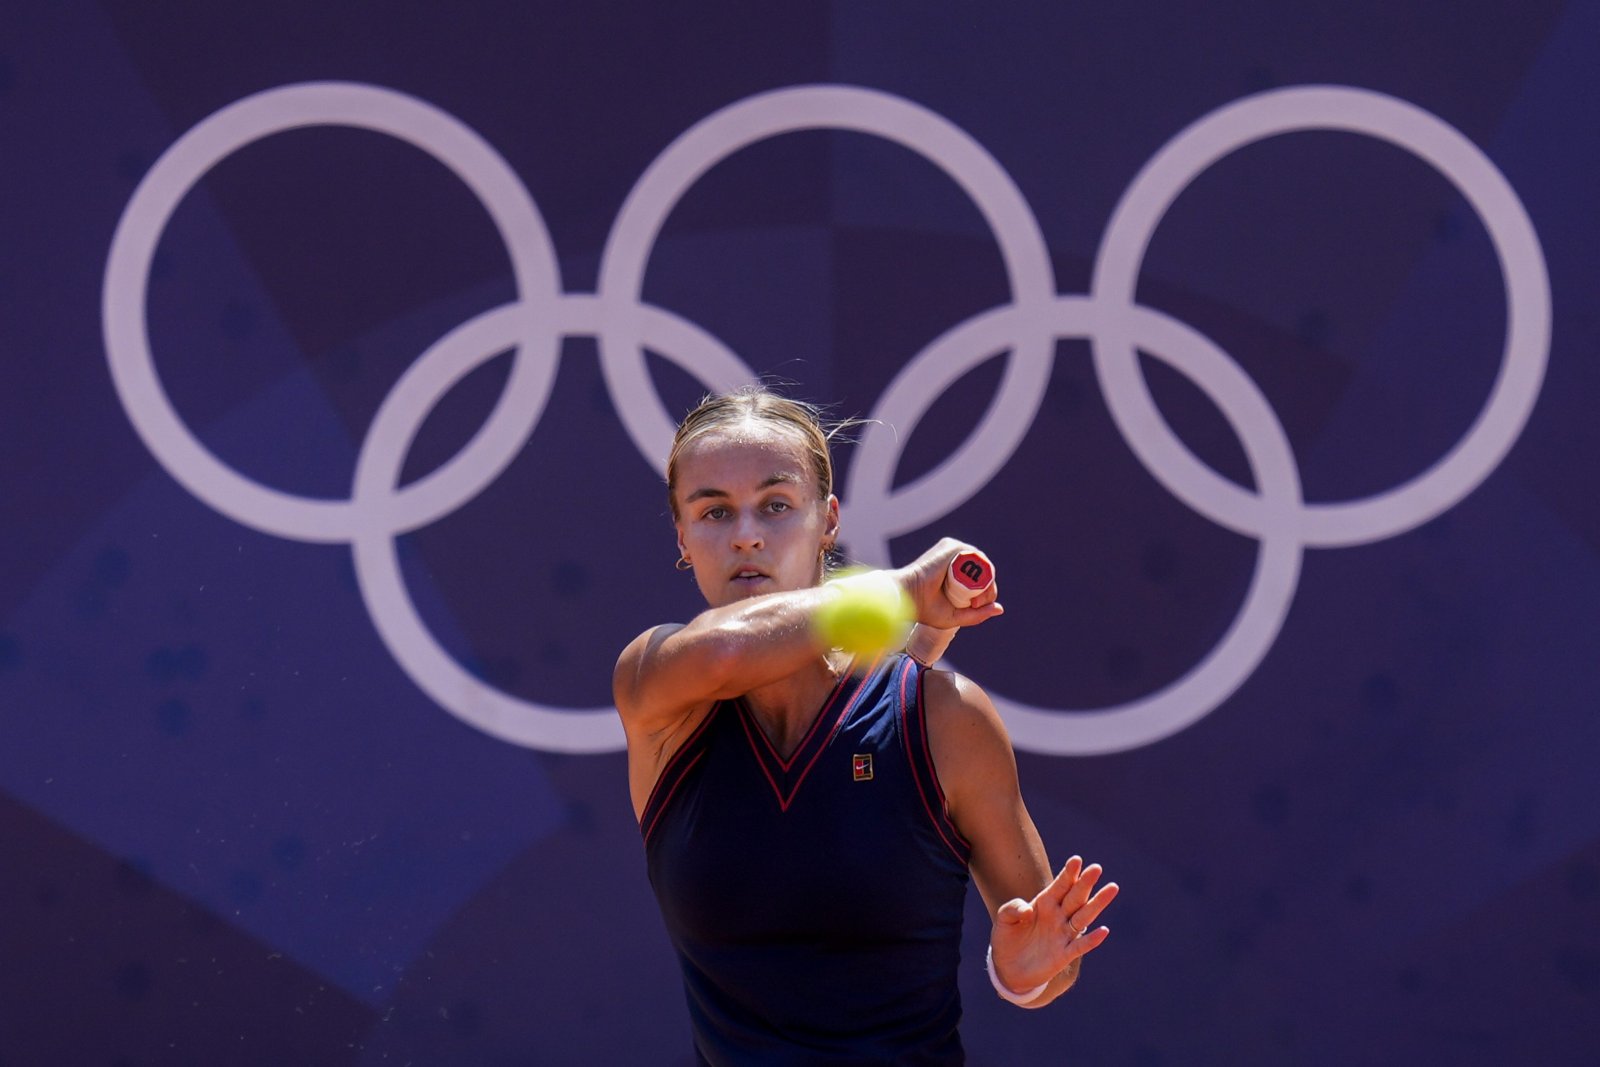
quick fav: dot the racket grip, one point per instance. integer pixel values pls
(969, 574)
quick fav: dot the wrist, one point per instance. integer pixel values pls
(1021, 998)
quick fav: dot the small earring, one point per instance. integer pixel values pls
(683, 564)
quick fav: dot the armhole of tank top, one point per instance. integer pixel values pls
(914, 733)
(673, 774)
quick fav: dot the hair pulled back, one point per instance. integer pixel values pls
(757, 403)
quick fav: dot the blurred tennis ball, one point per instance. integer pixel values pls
(867, 615)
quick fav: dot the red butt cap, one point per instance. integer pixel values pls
(972, 570)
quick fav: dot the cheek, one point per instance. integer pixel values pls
(805, 546)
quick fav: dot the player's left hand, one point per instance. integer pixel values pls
(1035, 940)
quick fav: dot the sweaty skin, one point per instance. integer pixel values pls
(752, 522)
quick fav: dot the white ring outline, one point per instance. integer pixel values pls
(377, 563)
(811, 107)
(185, 162)
(1406, 126)
(1114, 324)
(1274, 576)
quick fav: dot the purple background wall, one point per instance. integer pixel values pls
(233, 828)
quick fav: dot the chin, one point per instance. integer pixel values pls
(736, 591)
(745, 592)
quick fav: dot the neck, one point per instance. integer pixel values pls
(785, 709)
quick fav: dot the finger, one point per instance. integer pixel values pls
(939, 557)
(1086, 916)
(975, 613)
(1063, 882)
(1063, 887)
(1014, 912)
(1079, 892)
(1080, 947)
(991, 600)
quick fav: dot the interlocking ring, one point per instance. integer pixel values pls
(1026, 329)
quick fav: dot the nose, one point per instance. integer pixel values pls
(746, 533)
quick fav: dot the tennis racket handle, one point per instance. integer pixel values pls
(970, 573)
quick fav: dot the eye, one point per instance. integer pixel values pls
(778, 505)
(715, 512)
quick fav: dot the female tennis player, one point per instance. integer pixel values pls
(810, 823)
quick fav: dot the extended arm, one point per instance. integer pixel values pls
(668, 674)
(1042, 925)
(722, 653)
(733, 649)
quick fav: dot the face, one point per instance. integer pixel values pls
(748, 514)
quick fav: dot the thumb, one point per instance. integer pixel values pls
(1014, 912)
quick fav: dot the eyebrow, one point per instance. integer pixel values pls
(776, 479)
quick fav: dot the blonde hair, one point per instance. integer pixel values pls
(759, 403)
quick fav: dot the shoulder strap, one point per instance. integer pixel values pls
(673, 774)
(914, 729)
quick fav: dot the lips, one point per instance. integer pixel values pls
(748, 574)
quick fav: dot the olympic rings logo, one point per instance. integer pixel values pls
(1274, 512)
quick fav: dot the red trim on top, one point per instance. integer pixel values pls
(667, 800)
(855, 698)
(816, 750)
(911, 761)
(678, 757)
(749, 729)
(833, 697)
(933, 772)
(939, 824)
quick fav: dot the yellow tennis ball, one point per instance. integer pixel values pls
(867, 615)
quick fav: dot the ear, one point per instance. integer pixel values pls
(830, 529)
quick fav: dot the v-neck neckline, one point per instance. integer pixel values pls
(785, 775)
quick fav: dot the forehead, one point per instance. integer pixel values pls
(743, 455)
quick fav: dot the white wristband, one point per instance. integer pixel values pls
(999, 987)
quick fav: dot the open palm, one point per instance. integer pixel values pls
(1034, 940)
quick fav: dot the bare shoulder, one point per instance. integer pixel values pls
(654, 730)
(978, 771)
(970, 746)
(629, 678)
(957, 705)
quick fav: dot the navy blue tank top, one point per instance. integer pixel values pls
(815, 902)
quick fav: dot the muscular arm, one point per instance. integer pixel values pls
(669, 676)
(726, 651)
(1029, 908)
